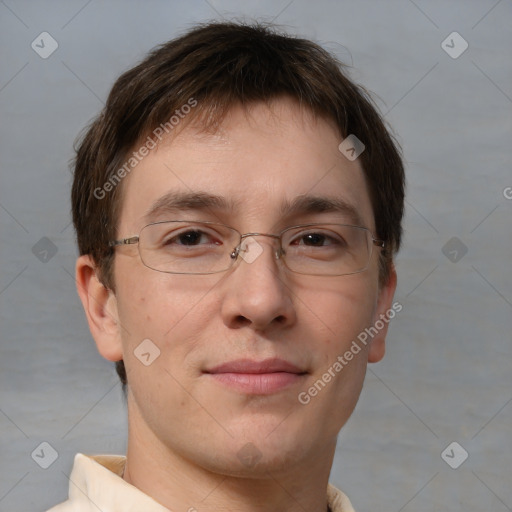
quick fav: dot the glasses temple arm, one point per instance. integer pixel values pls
(124, 241)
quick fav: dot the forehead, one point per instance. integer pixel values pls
(262, 166)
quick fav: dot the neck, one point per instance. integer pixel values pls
(179, 483)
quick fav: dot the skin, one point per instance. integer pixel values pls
(185, 428)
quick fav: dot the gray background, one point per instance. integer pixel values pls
(447, 373)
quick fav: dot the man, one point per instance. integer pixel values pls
(237, 206)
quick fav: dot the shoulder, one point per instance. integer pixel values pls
(337, 500)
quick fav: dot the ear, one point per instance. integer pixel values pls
(382, 316)
(100, 307)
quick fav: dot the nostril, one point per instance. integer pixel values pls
(242, 321)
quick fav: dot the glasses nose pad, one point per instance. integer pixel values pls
(234, 253)
(249, 255)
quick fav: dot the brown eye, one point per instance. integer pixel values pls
(189, 238)
(317, 240)
(314, 239)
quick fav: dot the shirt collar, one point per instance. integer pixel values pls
(96, 483)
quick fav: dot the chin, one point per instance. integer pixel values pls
(257, 461)
(269, 446)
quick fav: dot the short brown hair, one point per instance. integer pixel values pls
(220, 65)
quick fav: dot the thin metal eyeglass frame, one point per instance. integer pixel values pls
(236, 251)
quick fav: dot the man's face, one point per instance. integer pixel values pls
(254, 312)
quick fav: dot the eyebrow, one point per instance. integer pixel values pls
(202, 201)
(308, 204)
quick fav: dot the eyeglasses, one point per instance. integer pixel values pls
(189, 247)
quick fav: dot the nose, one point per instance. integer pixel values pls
(256, 293)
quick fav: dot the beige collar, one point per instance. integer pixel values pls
(96, 483)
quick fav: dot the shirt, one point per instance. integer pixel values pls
(96, 483)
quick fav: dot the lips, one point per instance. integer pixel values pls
(257, 377)
(253, 367)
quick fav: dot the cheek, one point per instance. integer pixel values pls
(342, 308)
(161, 317)
(334, 387)
(174, 312)
(153, 302)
